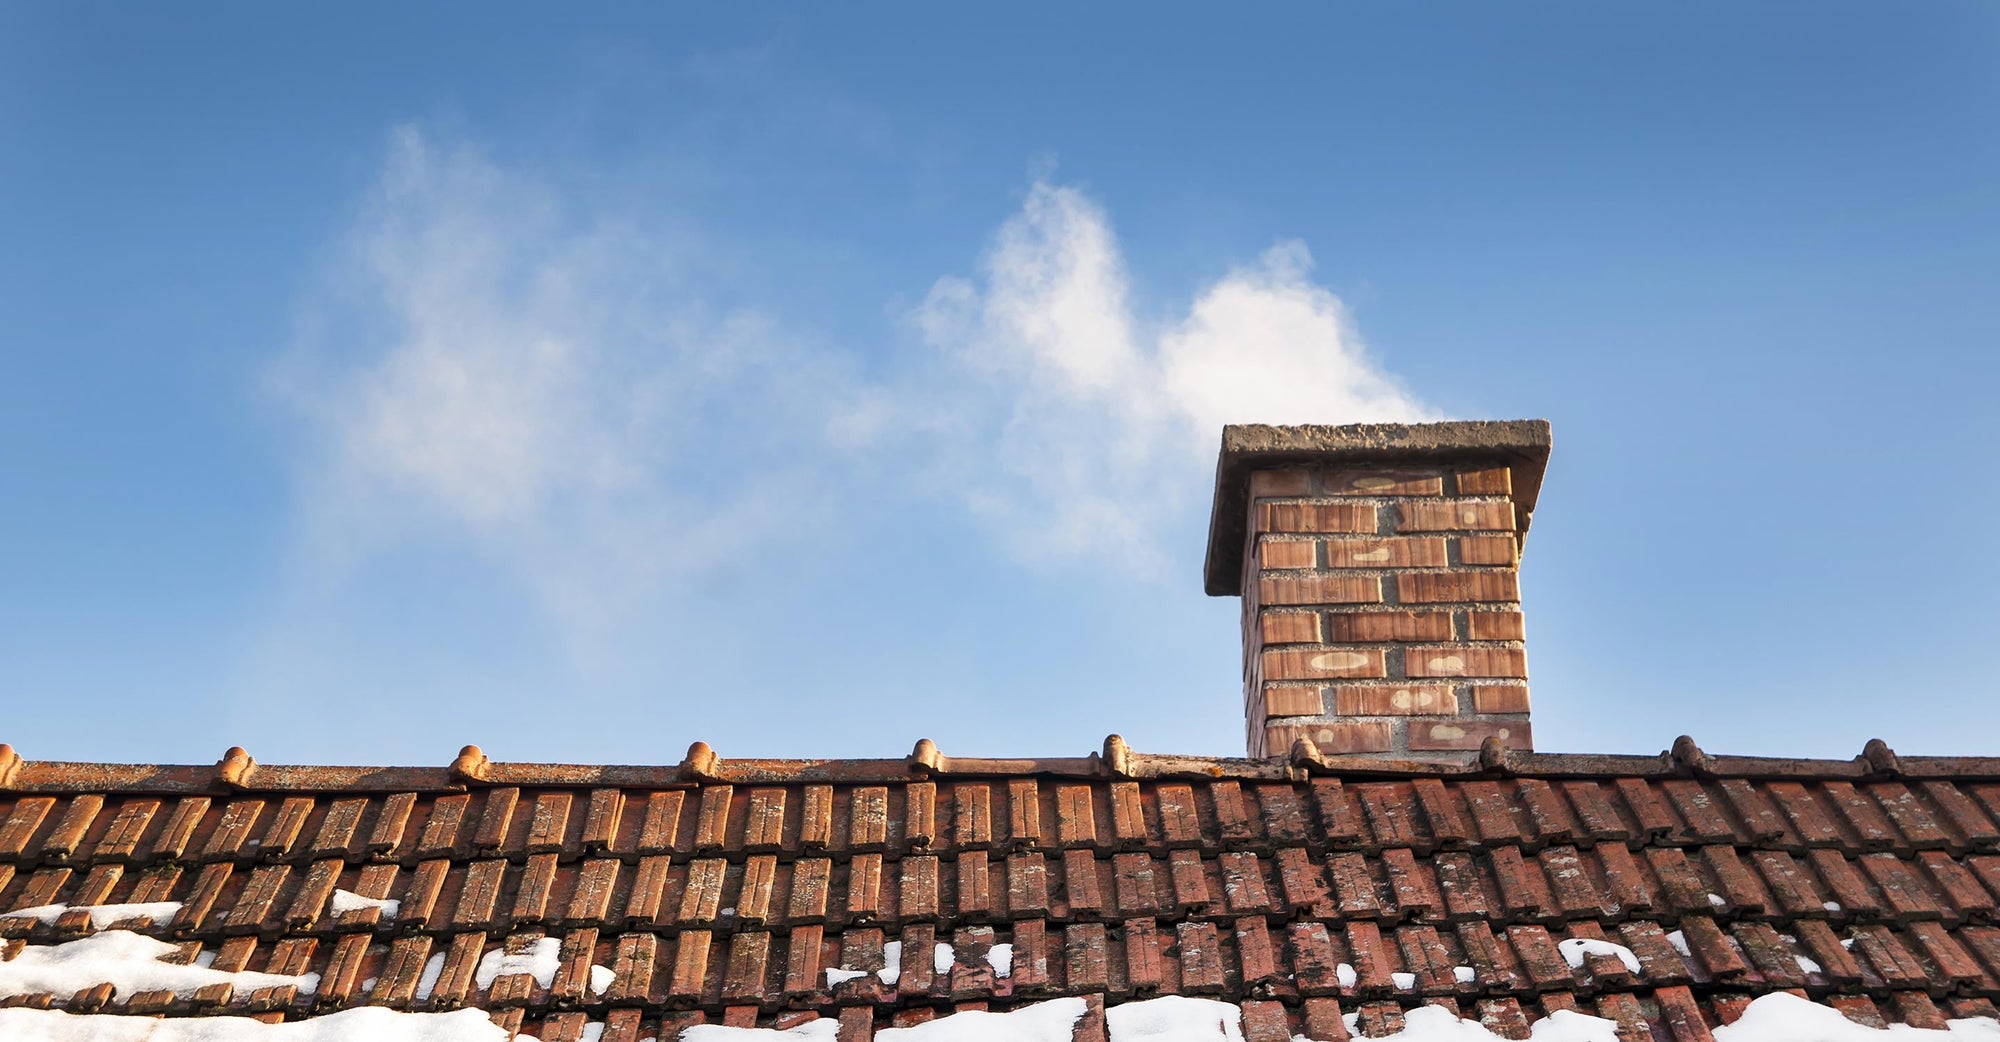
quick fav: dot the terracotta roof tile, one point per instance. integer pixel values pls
(1600, 820)
(728, 899)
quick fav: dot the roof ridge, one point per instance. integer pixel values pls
(471, 768)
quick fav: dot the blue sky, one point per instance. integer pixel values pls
(814, 379)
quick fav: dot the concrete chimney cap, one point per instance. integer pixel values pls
(1521, 444)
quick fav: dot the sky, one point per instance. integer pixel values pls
(811, 379)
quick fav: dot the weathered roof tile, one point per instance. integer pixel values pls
(727, 900)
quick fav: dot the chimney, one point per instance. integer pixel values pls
(1377, 565)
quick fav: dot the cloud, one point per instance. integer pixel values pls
(1103, 422)
(494, 365)
(488, 366)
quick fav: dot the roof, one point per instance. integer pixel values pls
(721, 891)
(1522, 444)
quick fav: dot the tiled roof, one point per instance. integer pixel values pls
(722, 890)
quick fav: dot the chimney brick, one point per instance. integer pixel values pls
(1378, 569)
(1425, 552)
(1374, 627)
(1276, 590)
(1396, 700)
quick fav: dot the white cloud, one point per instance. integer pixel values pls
(495, 365)
(1104, 423)
(488, 365)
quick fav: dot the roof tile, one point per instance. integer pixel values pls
(1167, 886)
(1387, 807)
(1601, 821)
(1760, 821)
(1974, 828)
(1548, 817)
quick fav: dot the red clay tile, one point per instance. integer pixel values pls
(1548, 817)
(1967, 899)
(1600, 819)
(1907, 812)
(974, 884)
(1627, 857)
(1539, 958)
(1974, 829)
(920, 814)
(1449, 826)
(1411, 885)
(1390, 812)
(1082, 884)
(1862, 816)
(816, 818)
(1256, 955)
(1084, 964)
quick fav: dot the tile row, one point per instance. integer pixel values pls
(1507, 884)
(1420, 814)
(920, 966)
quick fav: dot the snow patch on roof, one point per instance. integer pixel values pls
(345, 901)
(542, 959)
(369, 1023)
(1575, 949)
(129, 962)
(1175, 1018)
(1777, 1017)
(1051, 1021)
(101, 916)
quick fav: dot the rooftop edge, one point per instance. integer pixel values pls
(237, 773)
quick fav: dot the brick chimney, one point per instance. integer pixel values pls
(1377, 566)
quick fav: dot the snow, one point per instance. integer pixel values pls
(1437, 1024)
(1831, 906)
(345, 901)
(1345, 975)
(542, 959)
(600, 979)
(1716, 901)
(1001, 958)
(942, 957)
(1806, 965)
(1576, 948)
(427, 982)
(892, 963)
(592, 1032)
(101, 916)
(372, 1023)
(1780, 1017)
(1051, 1021)
(129, 962)
(838, 975)
(1777, 1017)
(825, 1029)
(1465, 974)
(1403, 980)
(1174, 1018)
(1680, 942)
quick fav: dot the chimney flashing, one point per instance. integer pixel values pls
(1521, 444)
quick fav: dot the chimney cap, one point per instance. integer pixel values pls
(1521, 444)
